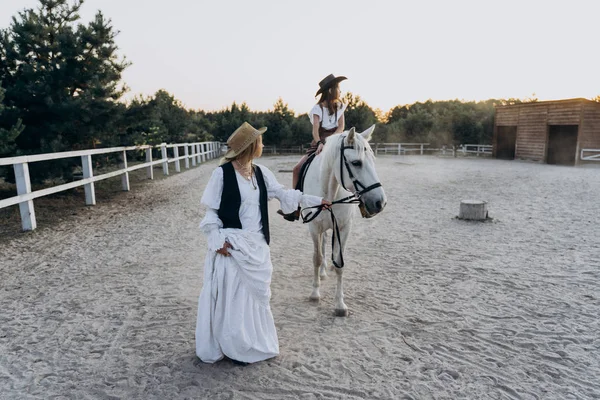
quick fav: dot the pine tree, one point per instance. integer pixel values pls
(8, 136)
(63, 77)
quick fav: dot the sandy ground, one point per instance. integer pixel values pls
(102, 304)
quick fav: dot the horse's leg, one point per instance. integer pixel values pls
(317, 238)
(340, 308)
(323, 270)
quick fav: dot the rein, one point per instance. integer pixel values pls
(352, 199)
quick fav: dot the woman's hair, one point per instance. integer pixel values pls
(248, 153)
(331, 97)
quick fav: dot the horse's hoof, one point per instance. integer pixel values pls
(341, 312)
(315, 296)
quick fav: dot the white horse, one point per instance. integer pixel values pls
(345, 167)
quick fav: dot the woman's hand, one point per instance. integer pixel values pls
(223, 250)
(326, 204)
(319, 147)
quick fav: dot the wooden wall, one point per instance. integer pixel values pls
(532, 121)
(589, 132)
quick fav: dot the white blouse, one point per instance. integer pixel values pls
(249, 212)
(329, 120)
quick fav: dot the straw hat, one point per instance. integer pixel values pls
(328, 82)
(243, 137)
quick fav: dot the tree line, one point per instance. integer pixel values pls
(61, 85)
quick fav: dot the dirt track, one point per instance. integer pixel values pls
(102, 304)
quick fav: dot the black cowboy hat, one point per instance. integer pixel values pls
(328, 82)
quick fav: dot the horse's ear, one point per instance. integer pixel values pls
(350, 137)
(367, 134)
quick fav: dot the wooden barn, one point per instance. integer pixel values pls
(553, 132)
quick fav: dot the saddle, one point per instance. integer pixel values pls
(303, 170)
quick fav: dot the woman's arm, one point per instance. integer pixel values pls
(315, 130)
(315, 133)
(290, 199)
(341, 124)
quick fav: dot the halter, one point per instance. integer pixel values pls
(352, 199)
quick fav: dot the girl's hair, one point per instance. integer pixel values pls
(248, 153)
(331, 97)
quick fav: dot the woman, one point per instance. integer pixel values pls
(327, 118)
(234, 315)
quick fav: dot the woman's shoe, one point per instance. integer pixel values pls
(293, 216)
(241, 363)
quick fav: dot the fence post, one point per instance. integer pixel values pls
(399, 148)
(88, 172)
(186, 153)
(23, 187)
(176, 155)
(193, 154)
(163, 152)
(125, 177)
(421, 148)
(150, 168)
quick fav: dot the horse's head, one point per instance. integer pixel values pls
(356, 171)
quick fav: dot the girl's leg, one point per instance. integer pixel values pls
(296, 171)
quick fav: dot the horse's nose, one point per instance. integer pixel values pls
(379, 206)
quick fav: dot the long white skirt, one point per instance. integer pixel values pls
(234, 315)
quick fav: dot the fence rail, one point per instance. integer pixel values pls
(194, 152)
(422, 148)
(595, 156)
(477, 149)
(397, 148)
(284, 150)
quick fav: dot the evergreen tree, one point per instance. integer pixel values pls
(63, 78)
(8, 136)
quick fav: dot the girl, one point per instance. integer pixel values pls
(327, 118)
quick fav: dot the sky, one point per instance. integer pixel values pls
(209, 54)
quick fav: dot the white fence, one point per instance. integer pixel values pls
(192, 152)
(399, 148)
(476, 149)
(422, 148)
(594, 156)
(284, 150)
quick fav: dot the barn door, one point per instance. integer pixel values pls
(562, 144)
(506, 142)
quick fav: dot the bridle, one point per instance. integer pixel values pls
(354, 198)
(355, 181)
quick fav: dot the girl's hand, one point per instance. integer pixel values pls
(223, 250)
(326, 204)
(319, 148)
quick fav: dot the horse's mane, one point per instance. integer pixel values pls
(332, 148)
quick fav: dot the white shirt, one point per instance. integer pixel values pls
(329, 120)
(249, 212)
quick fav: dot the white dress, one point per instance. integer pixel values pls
(234, 314)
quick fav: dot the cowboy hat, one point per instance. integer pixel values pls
(328, 82)
(241, 138)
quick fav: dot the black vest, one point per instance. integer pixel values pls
(229, 209)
